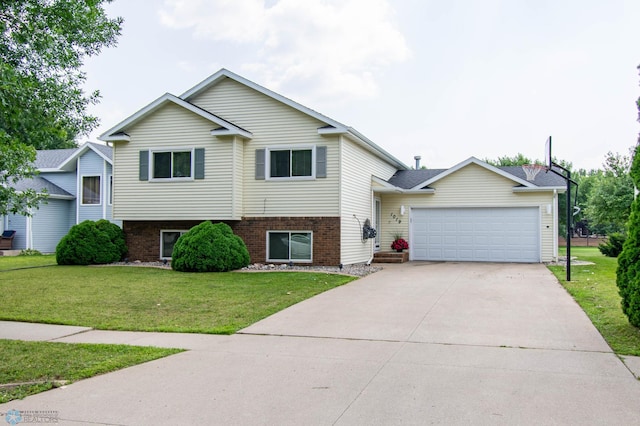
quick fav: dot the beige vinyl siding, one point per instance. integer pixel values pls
(356, 198)
(173, 127)
(274, 123)
(471, 186)
(237, 179)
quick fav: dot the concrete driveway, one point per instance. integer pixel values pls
(418, 343)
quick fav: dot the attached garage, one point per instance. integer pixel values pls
(503, 234)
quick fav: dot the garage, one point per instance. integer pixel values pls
(476, 234)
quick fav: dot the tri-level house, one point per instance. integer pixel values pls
(300, 187)
(77, 182)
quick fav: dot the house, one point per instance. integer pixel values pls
(78, 184)
(299, 187)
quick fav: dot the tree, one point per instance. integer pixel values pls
(628, 272)
(42, 106)
(610, 195)
(517, 160)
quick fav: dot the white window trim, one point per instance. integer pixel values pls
(289, 259)
(162, 231)
(171, 179)
(267, 161)
(82, 190)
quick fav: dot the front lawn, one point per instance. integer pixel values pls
(594, 288)
(151, 299)
(28, 368)
(16, 262)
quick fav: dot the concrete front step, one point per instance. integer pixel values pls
(390, 257)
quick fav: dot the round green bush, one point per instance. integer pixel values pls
(91, 243)
(209, 247)
(628, 272)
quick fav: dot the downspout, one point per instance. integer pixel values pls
(104, 191)
(78, 191)
(29, 242)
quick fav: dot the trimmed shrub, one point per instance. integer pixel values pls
(209, 247)
(613, 246)
(91, 243)
(628, 272)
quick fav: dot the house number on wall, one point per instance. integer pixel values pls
(396, 218)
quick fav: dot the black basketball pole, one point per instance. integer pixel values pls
(569, 225)
(567, 177)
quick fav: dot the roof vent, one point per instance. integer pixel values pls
(417, 158)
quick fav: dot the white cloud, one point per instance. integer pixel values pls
(331, 47)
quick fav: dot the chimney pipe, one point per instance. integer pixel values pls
(417, 158)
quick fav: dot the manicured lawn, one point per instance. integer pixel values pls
(150, 299)
(46, 365)
(14, 262)
(594, 288)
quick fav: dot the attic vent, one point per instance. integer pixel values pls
(531, 170)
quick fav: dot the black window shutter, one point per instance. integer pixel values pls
(144, 165)
(260, 160)
(321, 161)
(199, 163)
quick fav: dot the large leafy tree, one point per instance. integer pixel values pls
(628, 272)
(610, 195)
(43, 44)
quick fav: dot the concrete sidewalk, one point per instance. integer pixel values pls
(413, 344)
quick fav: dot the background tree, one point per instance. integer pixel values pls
(43, 44)
(610, 195)
(518, 160)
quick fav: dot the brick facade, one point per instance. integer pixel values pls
(143, 237)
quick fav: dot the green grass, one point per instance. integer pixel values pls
(594, 288)
(47, 365)
(16, 262)
(151, 299)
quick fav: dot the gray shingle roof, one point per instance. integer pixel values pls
(407, 179)
(52, 158)
(40, 184)
(107, 151)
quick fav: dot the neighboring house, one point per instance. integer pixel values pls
(78, 184)
(298, 186)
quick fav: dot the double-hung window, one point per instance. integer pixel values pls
(90, 190)
(167, 241)
(174, 164)
(291, 162)
(285, 246)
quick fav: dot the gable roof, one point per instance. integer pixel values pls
(54, 160)
(118, 132)
(332, 126)
(421, 179)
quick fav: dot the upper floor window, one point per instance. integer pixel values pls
(303, 162)
(90, 190)
(290, 163)
(171, 164)
(110, 190)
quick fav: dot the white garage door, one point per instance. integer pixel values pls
(476, 234)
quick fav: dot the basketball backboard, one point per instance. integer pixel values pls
(548, 159)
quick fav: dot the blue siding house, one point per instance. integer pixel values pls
(78, 184)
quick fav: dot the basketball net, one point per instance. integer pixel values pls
(531, 170)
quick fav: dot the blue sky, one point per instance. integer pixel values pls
(442, 79)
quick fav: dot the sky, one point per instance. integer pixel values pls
(443, 79)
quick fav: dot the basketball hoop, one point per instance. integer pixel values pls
(532, 170)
